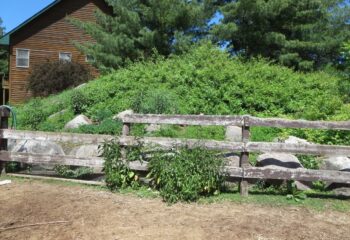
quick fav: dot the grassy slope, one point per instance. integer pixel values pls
(205, 81)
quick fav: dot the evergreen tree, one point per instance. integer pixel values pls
(140, 27)
(3, 53)
(303, 34)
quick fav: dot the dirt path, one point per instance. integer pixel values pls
(94, 214)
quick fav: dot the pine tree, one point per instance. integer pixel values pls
(303, 34)
(3, 54)
(140, 27)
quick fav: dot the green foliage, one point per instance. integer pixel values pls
(118, 174)
(32, 115)
(108, 126)
(185, 175)
(79, 102)
(54, 77)
(294, 193)
(156, 101)
(73, 172)
(303, 34)
(3, 54)
(309, 162)
(12, 167)
(138, 28)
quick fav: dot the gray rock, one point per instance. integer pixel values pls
(295, 140)
(152, 128)
(336, 163)
(233, 134)
(232, 160)
(58, 114)
(38, 147)
(86, 151)
(80, 86)
(278, 160)
(78, 121)
(122, 114)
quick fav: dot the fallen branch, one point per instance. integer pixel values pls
(32, 225)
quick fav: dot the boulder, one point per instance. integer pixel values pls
(122, 114)
(80, 86)
(78, 121)
(278, 160)
(152, 128)
(86, 151)
(338, 163)
(233, 134)
(232, 160)
(38, 147)
(295, 140)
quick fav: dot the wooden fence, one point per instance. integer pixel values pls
(244, 172)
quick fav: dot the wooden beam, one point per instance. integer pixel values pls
(309, 149)
(202, 120)
(285, 123)
(55, 136)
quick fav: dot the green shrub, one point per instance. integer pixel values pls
(118, 174)
(73, 172)
(185, 175)
(108, 126)
(79, 102)
(32, 115)
(54, 77)
(155, 101)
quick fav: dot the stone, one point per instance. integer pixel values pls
(58, 114)
(278, 160)
(80, 86)
(78, 121)
(122, 114)
(338, 163)
(232, 160)
(86, 151)
(295, 140)
(38, 147)
(233, 134)
(152, 128)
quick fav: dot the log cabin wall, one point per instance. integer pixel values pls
(47, 36)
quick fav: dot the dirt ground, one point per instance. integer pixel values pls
(95, 214)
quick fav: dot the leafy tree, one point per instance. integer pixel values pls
(140, 27)
(3, 53)
(303, 34)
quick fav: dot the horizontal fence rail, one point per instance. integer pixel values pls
(213, 120)
(242, 173)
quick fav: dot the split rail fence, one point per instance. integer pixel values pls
(243, 173)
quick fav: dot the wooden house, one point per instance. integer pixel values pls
(47, 36)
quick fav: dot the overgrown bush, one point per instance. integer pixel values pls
(54, 77)
(118, 174)
(32, 115)
(186, 174)
(155, 101)
(108, 126)
(80, 102)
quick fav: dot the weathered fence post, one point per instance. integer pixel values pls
(244, 160)
(4, 116)
(125, 132)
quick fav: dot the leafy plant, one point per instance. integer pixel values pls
(73, 172)
(294, 193)
(118, 174)
(186, 174)
(54, 77)
(33, 114)
(79, 102)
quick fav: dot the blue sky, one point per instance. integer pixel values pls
(14, 12)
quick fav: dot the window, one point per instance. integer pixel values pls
(89, 59)
(22, 58)
(65, 56)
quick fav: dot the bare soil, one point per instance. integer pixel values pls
(96, 214)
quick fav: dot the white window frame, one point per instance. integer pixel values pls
(87, 60)
(22, 49)
(69, 53)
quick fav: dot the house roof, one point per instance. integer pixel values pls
(5, 40)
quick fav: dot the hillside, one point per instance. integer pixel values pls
(205, 80)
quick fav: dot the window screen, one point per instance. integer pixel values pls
(65, 56)
(22, 58)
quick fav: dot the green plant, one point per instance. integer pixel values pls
(294, 193)
(186, 174)
(108, 126)
(12, 167)
(54, 77)
(33, 114)
(116, 168)
(309, 162)
(73, 172)
(155, 101)
(79, 102)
